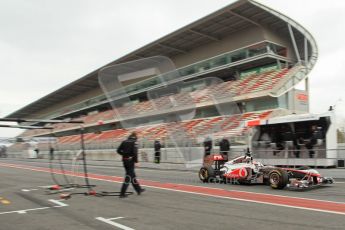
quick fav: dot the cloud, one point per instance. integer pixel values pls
(325, 21)
(48, 44)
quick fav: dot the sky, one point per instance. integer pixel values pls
(45, 45)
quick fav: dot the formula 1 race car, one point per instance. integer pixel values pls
(244, 170)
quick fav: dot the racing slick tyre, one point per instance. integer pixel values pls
(206, 174)
(278, 179)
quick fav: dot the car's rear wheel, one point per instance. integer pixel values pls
(206, 174)
(278, 179)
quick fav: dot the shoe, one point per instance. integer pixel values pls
(123, 196)
(141, 191)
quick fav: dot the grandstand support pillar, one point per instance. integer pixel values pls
(307, 90)
(307, 85)
(279, 64)
(294, 43)
(249, 139)
(306, 60)
(293, 92)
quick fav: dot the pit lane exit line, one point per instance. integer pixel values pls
(261, 198)
(111, 222)
(58, 203)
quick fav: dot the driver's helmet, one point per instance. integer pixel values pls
(247, 159)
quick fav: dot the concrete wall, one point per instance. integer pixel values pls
(168, 155)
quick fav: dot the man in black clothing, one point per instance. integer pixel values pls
(297, 144)
(37, 151)
(277, 138)
(315, 134)
(51, 153)
(129, 151)
(224, 146)
(207, 146)
(157, 147)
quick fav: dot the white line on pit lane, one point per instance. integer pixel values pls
(58, 203)
(24, 211)
(231, 198)
(45, 186)
(111, 222)
(29, 190)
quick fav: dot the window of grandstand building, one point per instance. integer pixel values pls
(238, 56)
(206, 112)
(261, 104)
(257, 49)
(277, 49)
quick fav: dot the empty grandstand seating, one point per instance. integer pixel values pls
(221, 126)
(249, 84)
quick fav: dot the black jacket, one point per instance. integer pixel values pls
(208, 146)
(224, 145)
(157, 146)
(129, 149)
(314, 136)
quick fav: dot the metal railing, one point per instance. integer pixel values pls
(173, 155)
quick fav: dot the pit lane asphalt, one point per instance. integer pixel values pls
(156, 208)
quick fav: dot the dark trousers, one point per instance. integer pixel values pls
(157, 157)
(311, 150)
(130, 177)
(224, 152)
(207, 153)
(297, 151)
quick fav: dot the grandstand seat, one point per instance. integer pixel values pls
(249, 84)
(220, 126)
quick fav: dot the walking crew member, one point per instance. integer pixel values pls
(157, 146)
(129, 151)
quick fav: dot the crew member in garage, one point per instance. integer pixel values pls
(129, 151)
(315, 134)
(277, 138)
(207, 146)
(224, 146)
(157, 147)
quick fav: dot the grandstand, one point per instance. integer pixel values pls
(257, 53)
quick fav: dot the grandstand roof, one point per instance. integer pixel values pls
(228, 20)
